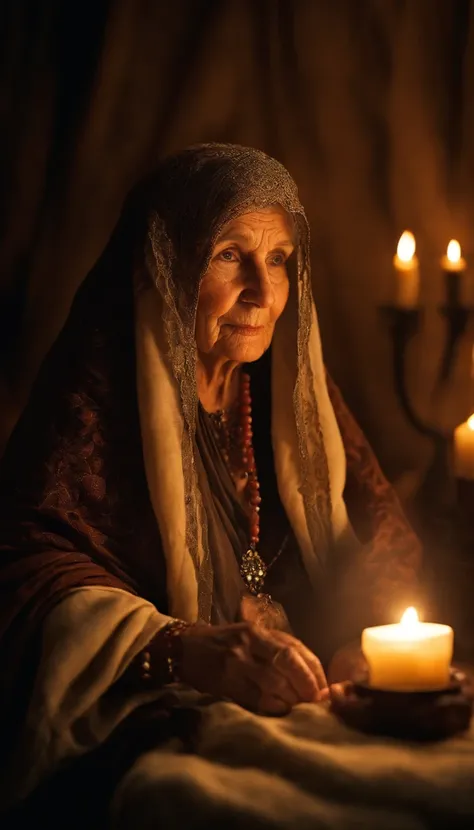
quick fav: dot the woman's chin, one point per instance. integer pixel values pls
(248, 349)
(239, 349)
(247, 353)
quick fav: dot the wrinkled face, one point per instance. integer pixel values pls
(245, 287)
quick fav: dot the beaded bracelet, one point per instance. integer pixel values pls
(168, 636)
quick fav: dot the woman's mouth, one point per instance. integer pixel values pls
(247, 331)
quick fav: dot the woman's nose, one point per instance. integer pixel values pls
(260, 289)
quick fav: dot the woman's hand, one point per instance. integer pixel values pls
(348, 663)
(266, 671)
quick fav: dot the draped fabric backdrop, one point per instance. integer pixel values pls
(370, 104)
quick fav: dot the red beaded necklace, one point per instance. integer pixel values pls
(235, 441)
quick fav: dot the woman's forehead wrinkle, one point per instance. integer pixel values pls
(246, 226)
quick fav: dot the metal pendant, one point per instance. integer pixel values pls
(253, 571)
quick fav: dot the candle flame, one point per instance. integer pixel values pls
(454, 251)
(406, 246)
(470, 423)
(409, 618)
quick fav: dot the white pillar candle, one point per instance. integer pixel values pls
(407, 272)
(454, 267)
(409, 656)
(464, 450)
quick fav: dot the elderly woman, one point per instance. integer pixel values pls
(172, 501)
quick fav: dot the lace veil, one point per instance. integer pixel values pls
(189, 200)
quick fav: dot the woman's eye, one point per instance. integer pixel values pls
(228, 255)
(278, 259)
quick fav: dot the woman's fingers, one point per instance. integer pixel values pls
(347, 664)
(279, 650)
(274, 684)
(266, 671)
(313, 663)
(263, 682)
(333, 692)
(289, 662)
(324, 695)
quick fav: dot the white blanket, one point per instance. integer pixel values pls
(306, 770)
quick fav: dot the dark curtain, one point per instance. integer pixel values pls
(370, 104)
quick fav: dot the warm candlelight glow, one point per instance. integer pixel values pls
(454, 251)
(407, 272)
(409, 655)
(454, 267)
(406, 246)
(463, 455)
(409, 618)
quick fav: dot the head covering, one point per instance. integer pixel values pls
(192, 197)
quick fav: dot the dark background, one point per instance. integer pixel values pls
(368, 102)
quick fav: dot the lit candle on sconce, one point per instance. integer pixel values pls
(464, 450)
(454, 267)
(407, 272)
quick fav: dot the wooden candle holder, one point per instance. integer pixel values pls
(457, 317)
(416, 716)
(403, 324)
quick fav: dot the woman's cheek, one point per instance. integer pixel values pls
(213, 331)
(282, 299)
